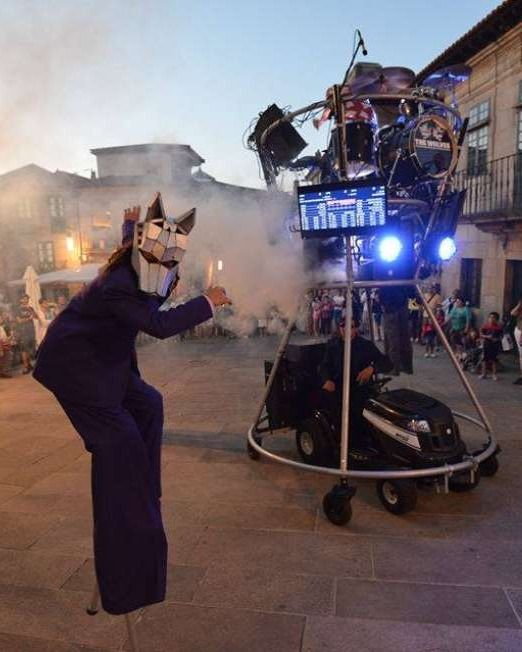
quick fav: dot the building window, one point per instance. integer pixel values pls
(471, 280)
(25, 209)
(46, 256)
(478, 114)
(478, 136)
(56, 208)
(478, 150)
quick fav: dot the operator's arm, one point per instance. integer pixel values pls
(123, 300)
(328, 365)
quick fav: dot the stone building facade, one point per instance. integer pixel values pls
(488, 265)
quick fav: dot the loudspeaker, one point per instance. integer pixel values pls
(284, 143)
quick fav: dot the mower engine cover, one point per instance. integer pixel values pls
(415, 420)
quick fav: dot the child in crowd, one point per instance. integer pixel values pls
(429, 334)
(491, 334)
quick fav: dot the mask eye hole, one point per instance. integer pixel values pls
(149, 257)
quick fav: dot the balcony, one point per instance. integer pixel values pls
(494, 193)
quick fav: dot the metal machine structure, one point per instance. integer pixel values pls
(415, 155)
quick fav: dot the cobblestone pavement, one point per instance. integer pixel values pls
(254, 564)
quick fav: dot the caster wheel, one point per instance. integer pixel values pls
(397, 496)
(91, 612)
(311, 442)
(337, 509)
(252, 453)
(462, 483)
(489, 467)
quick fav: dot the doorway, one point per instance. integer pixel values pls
(513, 286)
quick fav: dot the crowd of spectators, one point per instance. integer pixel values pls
(22, 328)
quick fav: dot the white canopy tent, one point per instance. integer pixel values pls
(83, 274)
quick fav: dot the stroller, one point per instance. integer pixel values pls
(473, 354)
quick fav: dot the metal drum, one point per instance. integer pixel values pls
(359, 132)
(424, 149)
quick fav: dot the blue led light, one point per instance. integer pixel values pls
(389, 248)
(447, 248)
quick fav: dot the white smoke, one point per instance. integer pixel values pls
(261, 260)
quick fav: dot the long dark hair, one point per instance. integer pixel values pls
(122, 256)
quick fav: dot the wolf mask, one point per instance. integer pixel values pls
(158, 248)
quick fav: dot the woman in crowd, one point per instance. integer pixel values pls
(25, 332)
(46, 314)
(459, 323)
(326, 314)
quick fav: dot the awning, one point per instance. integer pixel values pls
(83, 274)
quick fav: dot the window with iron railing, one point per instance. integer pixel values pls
(478, 150)
(478, 138)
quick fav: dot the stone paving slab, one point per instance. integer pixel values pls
(262, 590)
(57, 615)
(18, 531)
(357, 634)
(479, 563)
(187, 628)
(252, 557)
(11, 643)
(292, 552)
(36, 569)
(424, 603)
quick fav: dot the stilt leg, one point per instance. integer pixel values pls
(94, 604)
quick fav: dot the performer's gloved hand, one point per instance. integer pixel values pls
(218, 296)
(132, 214)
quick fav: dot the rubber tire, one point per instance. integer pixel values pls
(489, 467)
(406, 491)
(321, 450)
(252, 453)
(462, 487)
(338, 510)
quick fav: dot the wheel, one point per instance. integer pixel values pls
(462, 482)
(252, 453)
(489, 467)
(397, 496)
(311, 442)
(337, 509)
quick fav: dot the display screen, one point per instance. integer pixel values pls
(342, 208)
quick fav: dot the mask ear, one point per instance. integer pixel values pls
(186, 222)
(155, 211)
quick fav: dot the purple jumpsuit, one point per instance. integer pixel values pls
(88, 361)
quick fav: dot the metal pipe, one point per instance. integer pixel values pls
(345, 422)
(453, 358)
(447, 469)
(279, 354)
